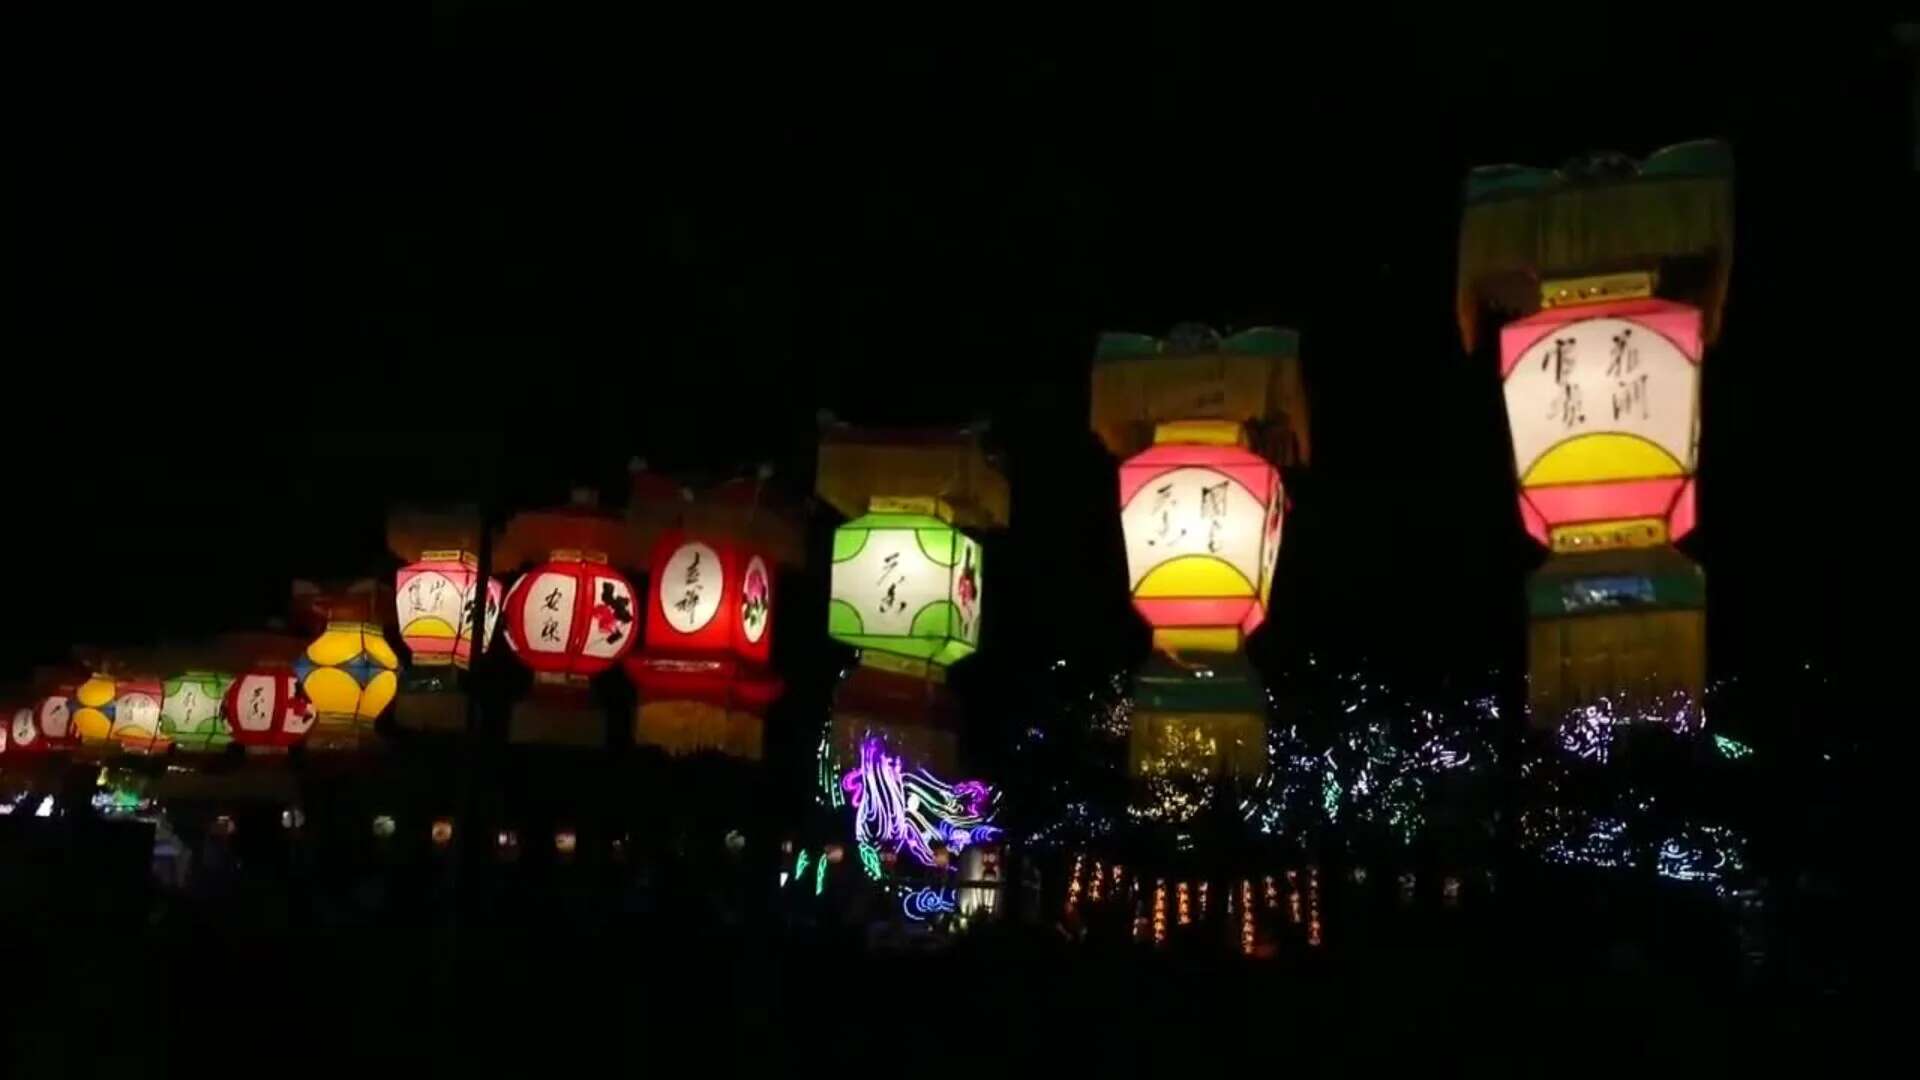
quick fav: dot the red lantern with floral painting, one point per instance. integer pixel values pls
(571, 618)
(267, 711)
(703, 676)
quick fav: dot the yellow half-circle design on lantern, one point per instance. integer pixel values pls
(332, 691)
(428, 626)
(380, 652)
(1602, 455)
(1196, 576)
(378, 694)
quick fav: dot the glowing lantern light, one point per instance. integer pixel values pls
(570, 618)
(190, 711)
(349, 674)
(433, 597)
(93, 712)
(1603, 403)
(1193, 724)
(906, 583)
(44, 728)
(266, 710)
(136, 717)
(1202, 520)
(703, 677)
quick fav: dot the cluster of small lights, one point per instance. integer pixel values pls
(1094, 882)
(1178, 782)
(1293, 896)
(1160, 912)
(1183, 898)
(1073, 886)
(1246, 918)
(1313, 906)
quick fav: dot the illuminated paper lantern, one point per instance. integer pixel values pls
(93, 712)
(266, 710)
(571, 618)
(349, 674)
(45, 727)
(1202, 519)
(906, 583)
(1603, 405)
(703, 676)
(190, 711)
(1617, 637)
(433, 598)
(136, 717)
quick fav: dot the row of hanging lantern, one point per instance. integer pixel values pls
(570, 617)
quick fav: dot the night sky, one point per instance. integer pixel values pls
(284, 273)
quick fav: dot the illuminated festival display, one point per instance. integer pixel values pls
(704, 669)
(349, 674)
(433, 600)
(266, 711)
(1202, 425)
(1600, 371)
(906, 590)
(190, 711)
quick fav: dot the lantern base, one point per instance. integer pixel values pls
(1622, 634)
(429, 712)
(554, 720)
(342, 736)
(690, 727)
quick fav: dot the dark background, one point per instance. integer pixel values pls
(279, 271)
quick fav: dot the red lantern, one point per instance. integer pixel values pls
(267, 711)
(703, 678)
(571, 618)
(44, 728)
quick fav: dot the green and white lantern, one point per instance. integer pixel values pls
(906, 583)
(190, 711)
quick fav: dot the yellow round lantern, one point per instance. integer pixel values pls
(350, 674)
(92, 717)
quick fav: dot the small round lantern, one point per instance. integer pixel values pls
(350, 675)
(571, 618)
(266, 711)
(190, 711)
(442, 832)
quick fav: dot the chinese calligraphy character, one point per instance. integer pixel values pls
(1213, 507)
(690, 599)
(550, 629)
(1561, 357)
(551, 601)
(889, 600)
(1164, 504)
(1568, 407)
(1625, 358)
(1628, 395)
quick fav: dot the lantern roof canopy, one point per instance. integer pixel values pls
(858, 465)
(412, 531)
(228, 653)
(315, 604)
(1251, 378)
(1670, 214)
(581, 525)
(749, 510)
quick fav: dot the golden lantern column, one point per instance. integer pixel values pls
(1202, 426)
(1614, 272)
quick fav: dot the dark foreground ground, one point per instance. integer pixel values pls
(1529, 994)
